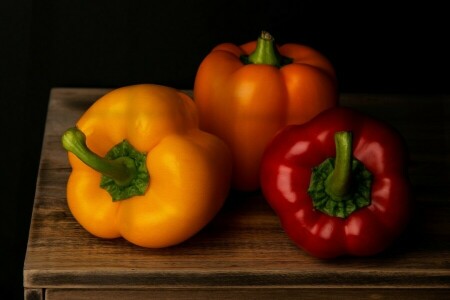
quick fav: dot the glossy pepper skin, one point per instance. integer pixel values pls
(245, 94)
(188, 169)
(286, 179)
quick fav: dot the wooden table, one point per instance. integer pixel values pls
(244, 253)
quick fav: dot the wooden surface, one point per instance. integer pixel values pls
(244, 252)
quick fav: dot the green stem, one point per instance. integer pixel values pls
(338, 182)
(122, 170)
(340, 185)
(266, 53)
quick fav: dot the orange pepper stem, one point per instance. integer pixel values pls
(123, 169)
(266, 53)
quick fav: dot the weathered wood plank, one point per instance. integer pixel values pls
(34, 294)
(246, 293)
(244, 245)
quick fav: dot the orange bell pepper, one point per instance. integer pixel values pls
(142, 169)
(246, 94)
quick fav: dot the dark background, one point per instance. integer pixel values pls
(375, 47)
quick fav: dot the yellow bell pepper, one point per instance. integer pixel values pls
(142, 169)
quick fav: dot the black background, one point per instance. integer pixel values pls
(375, 47)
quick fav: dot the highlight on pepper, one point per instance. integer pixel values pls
(143, 170)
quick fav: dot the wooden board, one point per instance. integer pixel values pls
(244, 249)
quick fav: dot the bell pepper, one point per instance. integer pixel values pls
(142, 169)
(338, 183)
(246, 94)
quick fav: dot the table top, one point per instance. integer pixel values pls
(244, 246)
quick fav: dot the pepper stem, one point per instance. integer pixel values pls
(341, 185)
(338, 182)
(266, 53)
(122, 170)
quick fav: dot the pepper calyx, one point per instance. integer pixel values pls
(339, 186)
(123, 169)
(139, 182)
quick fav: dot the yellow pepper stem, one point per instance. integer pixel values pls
(122, 170)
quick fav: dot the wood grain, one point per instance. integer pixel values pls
(34, 294)
(246, 293)
(244, 247)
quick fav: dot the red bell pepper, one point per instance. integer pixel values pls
(338, 183)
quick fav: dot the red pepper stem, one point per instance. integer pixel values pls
(337, 184)
(340, 185)
(122, 170)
